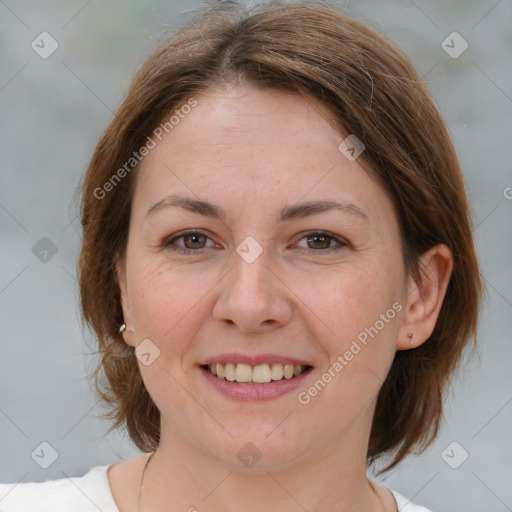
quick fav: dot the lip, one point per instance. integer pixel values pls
(254, 392)
(254, 360)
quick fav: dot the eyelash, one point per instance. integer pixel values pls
(169, 242)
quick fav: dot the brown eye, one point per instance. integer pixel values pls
(193, 241)
(320, 241)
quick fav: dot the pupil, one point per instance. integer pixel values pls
(194, 238)
(320, 237)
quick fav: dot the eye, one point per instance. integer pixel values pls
(320, 241)
(193, 241)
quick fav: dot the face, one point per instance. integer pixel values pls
(293, 265)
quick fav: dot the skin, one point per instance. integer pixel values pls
(252, 151)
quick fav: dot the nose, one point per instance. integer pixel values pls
(253, 296)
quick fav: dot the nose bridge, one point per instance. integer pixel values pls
(252, 273)
(251, 295)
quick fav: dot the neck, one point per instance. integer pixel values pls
(185, 477)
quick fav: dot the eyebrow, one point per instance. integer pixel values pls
(290, 212)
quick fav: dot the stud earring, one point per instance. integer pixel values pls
(123, 328)
(410, 335)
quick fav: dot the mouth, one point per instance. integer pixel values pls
(261, 374)
(254, 377)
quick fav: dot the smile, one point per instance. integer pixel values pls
(258, 374)
(257, 381)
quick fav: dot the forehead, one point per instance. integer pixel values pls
(242, 117)
(250, 144)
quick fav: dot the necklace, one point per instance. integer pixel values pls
(147, 464)
(142, 480)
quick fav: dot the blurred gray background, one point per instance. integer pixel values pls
(55, 107)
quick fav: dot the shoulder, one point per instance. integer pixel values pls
(79, 494)
(404, 505)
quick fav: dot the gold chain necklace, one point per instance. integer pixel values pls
(142, 481)
(147, 464)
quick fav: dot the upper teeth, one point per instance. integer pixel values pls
(260, 373)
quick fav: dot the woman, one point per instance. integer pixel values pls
(278, 263)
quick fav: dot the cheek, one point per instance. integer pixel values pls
(361, 307)
(163, 307)
(162, 296)
(357, 317)
(349, 300)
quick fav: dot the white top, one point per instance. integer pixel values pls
(89, 493)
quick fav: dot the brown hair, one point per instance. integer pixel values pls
(373, 92)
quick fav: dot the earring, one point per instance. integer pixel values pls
(123, 328)
(410, 336)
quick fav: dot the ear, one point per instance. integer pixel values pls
(128, 336)
(425, 298)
